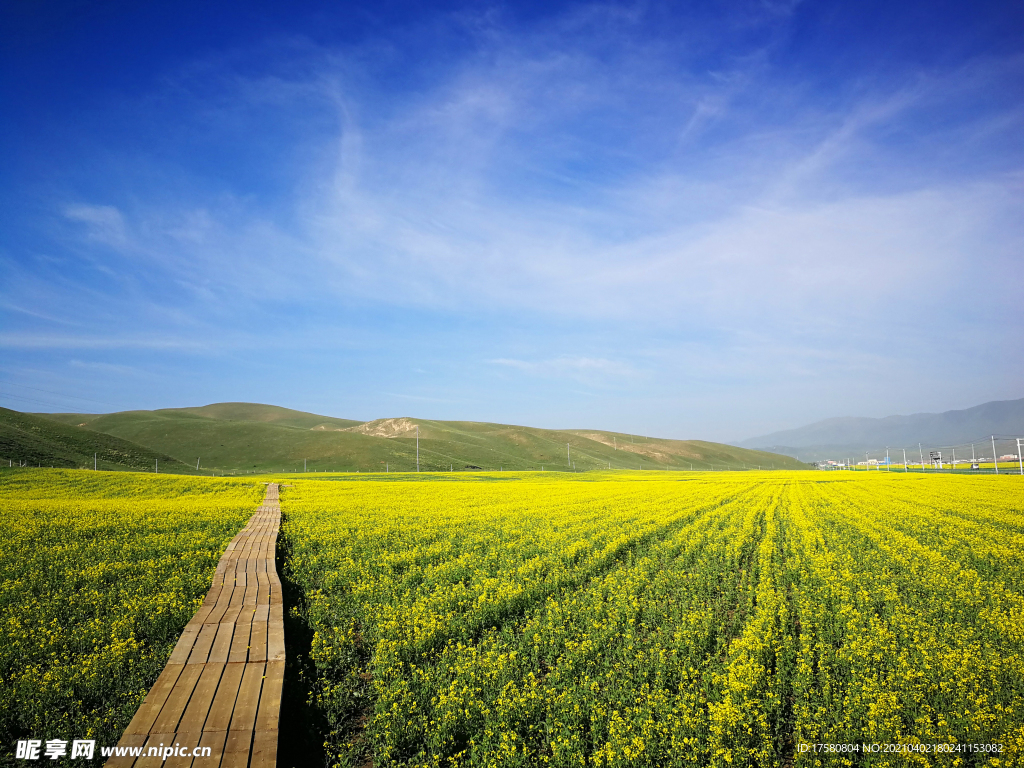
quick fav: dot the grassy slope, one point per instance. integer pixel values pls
(282, 442)
(40, 441)
(264, 414)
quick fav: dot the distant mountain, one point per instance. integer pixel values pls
(834, 438)
(233, 437)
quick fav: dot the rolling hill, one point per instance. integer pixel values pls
(239, 437)
(35, 441)
(852, 436)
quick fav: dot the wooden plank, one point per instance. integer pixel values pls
(214, 741)
(275, 640)
(240, 643)
(183, 647)
(126, 761)
(231, 615)
(252, 589)
(202, 699)
(223, 604)
(270, 699)
(258, 641)
(244, 716)
(223, 707)
(236, 595)
(184, 741)
(264, 750)
(222, 644)
(236, 749)
(154, 702)
(167, 720)
(201, 650)
(201, 614)
(156, 741)
(262, 613)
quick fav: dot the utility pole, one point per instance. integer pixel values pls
(157, 470)
(197, 463)
(94, 462)
(905, 460)
(922, 456)
(973, 459)
(417, 447)
(1020, 459)
(568, 459)
(995, 459)
(887, 458)
(303, 465)
(953, 465)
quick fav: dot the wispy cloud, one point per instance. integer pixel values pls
(583, 368)
(103, 223)
(52, 341)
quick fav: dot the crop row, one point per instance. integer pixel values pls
(694, 619)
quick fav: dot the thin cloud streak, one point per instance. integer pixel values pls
(576, 200)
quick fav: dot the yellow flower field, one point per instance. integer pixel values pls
(99, 573)
(533, 619)
(655, 619)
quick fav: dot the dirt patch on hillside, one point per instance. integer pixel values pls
(385, 428)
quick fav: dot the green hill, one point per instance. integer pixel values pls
(35, 441)
(247, 437)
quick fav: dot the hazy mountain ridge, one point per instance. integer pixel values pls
(858, 434)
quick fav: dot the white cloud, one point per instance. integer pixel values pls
(103, 223)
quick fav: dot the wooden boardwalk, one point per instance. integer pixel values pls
(222, 686)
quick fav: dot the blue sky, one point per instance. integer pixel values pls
(705, 220)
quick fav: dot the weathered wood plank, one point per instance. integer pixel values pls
(201, 650)
(270, 698)
(170, 715)
(258, 641)
(264, 750)
(223, 707)
(202, 699)
(247, 703)
(222, 644)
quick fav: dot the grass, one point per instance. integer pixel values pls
(36, 441)
(240, 437)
